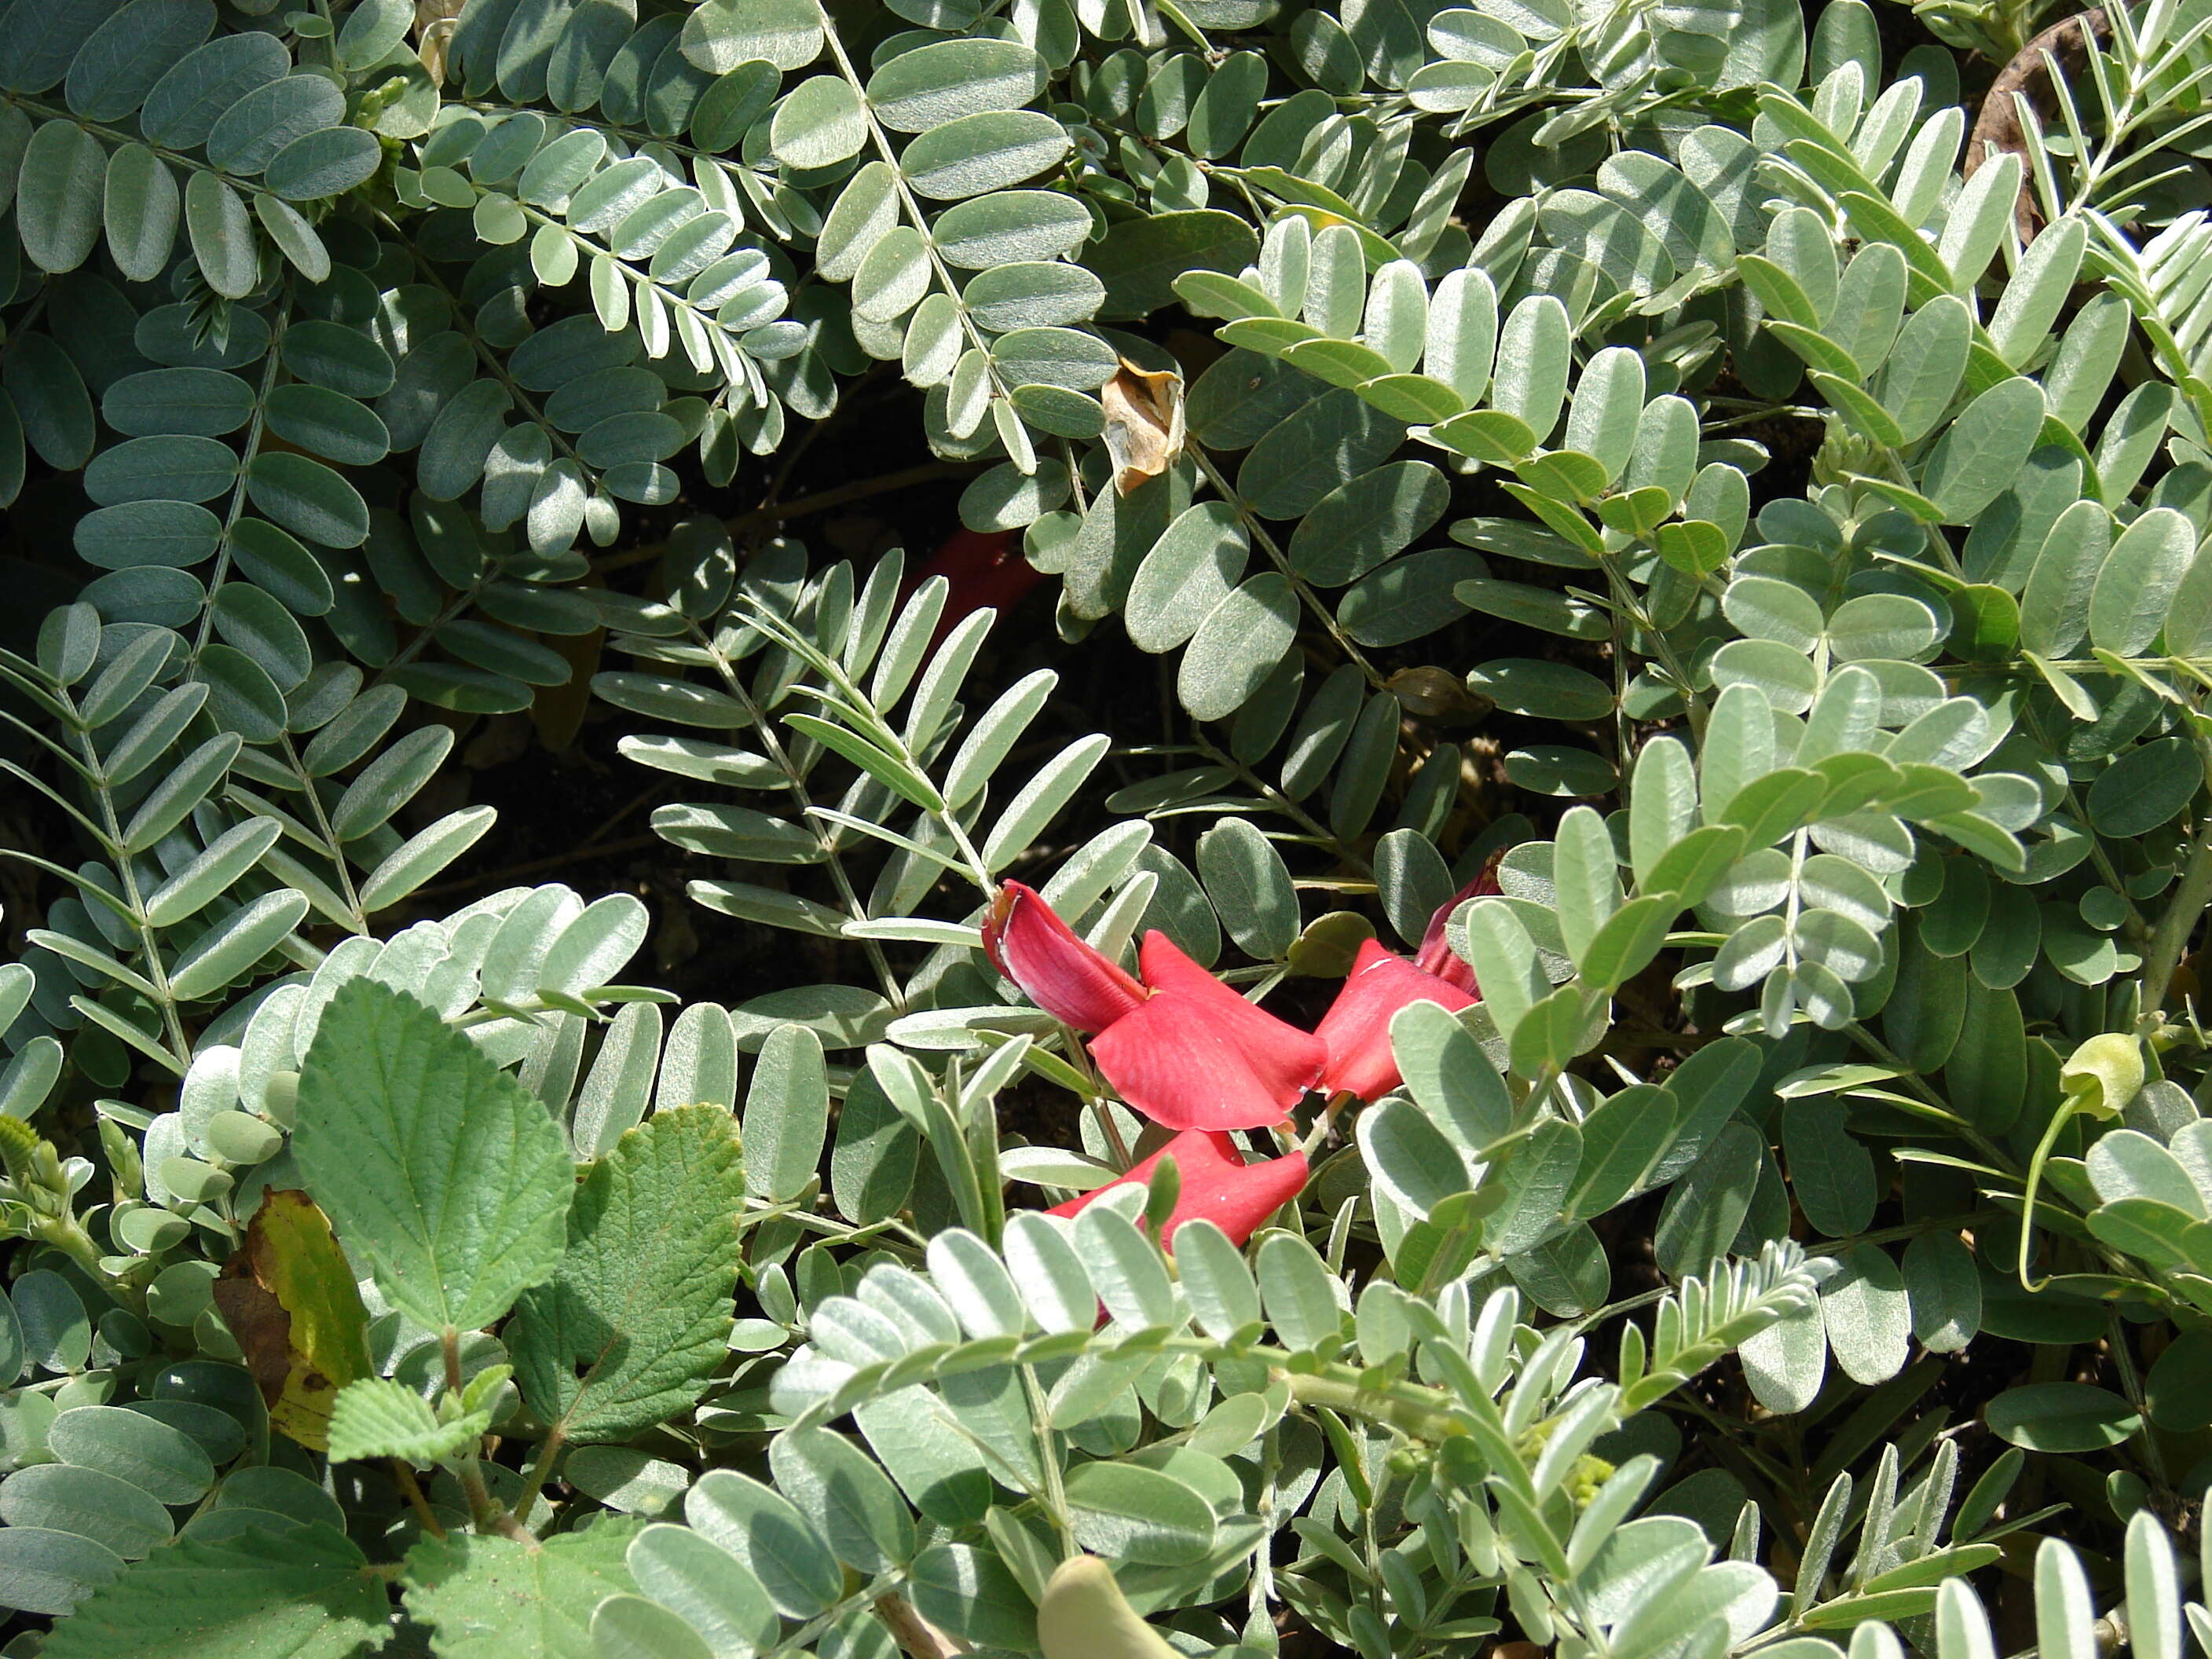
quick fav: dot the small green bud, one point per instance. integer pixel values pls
(2103, 1075)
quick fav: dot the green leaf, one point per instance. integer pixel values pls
(1533, 361)
(1926, 365)
(1368, 519)
(2146, 786)
(1139, 257)
(48, 1571)
(324, 163)
(932, 84)
(1318, 445)
(990, 150)
(504, 1598)
(376, 1416)
(154, 1457)
(1945, 1287)
(867, 1524)
(1868, 1317)
(723, 33)
(1981, 452)
(224, 951)
(1608, 399)
(2062, 583)
(140, 212)
(1622, 1139)
(109, 1511)
(1551, 690)
(767, 1534)
(184, 103)
(1191, 568)
(2063, 1417)
(221, 233)
(966, 1589)
(306, 1593)
(1766, 608)
(1408, 599)
(634, 1321)
(1250, 887)
(1585, 878)
(441, 1173)
(115, 70)
(307, 498)
(58, 203)
(1130, 1513)
(819, 123)
(1409, 1157)
(1628, 940)
(1236, 646)
(1008, 227)
(786, 1115)
(371, 30)
(423, 855)
(2038, 290)
(2135, 587)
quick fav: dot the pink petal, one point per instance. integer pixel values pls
(1215, 1184)
(1033, 947)
(1195, 1055)
(1357, 1028)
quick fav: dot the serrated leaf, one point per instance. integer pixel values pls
(307, 1593)
(504, 1598)
(443, 1176)
(377, 1417)
(636, 1318)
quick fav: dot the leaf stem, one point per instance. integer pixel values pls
(2162, 954)
(1401, 1405)
(411, 1489)
(1266, 542)
(540, 1466)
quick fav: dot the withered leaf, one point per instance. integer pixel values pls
(1144, 423)
(291, 1300)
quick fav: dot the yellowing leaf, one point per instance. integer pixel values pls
(290, 1299)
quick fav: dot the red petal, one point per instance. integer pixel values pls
(1357, 1028)
(1215, 1183)
(1435, 956)
(1196, 1055)
(1073, 983)
(980, 567)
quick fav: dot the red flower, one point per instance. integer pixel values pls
(1180, 1047)
(1217, 1183)
(1357, 1028)
(980, 567)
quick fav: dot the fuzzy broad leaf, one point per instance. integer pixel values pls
(638, 1316)
(307, 1593)
(443, 1175)
(499, 1598)
(379, 1418)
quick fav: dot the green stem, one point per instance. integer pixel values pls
(1266, 542)
(2058, 1121)
(1403, 1407)
(540, 1466)
(2162, 956)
